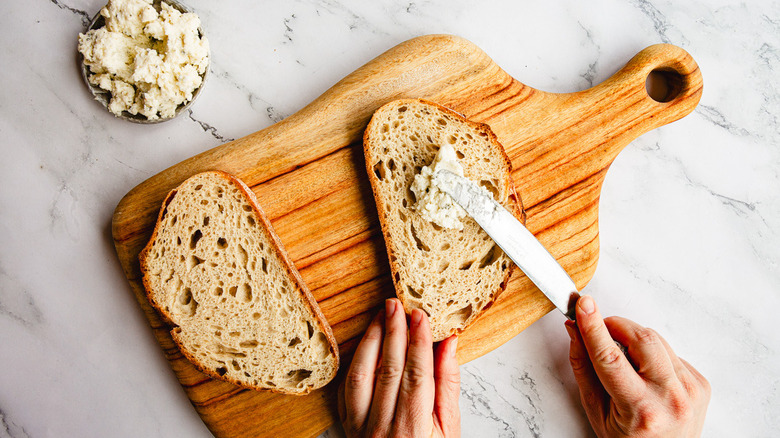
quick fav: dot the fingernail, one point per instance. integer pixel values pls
(571, 330)
(416, 317)
(587, 305)
(454, 347)
(389, 308)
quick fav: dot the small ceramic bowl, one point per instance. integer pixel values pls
(104, 97)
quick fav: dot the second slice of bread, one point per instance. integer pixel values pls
(215, 269)
(452, 275)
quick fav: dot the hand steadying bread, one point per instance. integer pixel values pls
(451, 270)
(215, 269)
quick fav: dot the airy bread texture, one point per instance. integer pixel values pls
(453, 275)
(216, 270)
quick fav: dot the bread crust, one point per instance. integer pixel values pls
(516, 206)
(289, 267)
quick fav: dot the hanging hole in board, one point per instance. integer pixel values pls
(664, 85)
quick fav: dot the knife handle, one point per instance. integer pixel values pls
(624, 350)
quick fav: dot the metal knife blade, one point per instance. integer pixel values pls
(514, 238)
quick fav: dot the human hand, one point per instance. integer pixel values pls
(394, 387)
(663, 397)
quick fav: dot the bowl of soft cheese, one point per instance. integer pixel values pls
(145, 60)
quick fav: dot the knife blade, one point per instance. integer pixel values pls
(514, 238)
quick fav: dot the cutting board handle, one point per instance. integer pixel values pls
(574, 137)
(666, 73)
(661, 84)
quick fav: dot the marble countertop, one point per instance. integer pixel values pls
(690, 212)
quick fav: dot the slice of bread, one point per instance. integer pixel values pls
(453, 275)
(216, 270)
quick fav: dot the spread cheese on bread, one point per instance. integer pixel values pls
(432, 203)
(215, 269)
(441, 261)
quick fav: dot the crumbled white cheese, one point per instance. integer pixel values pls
(151, 62)
(433, 204)
(129, 17)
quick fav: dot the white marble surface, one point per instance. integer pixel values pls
(690, 212)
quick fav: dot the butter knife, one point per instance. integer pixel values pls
(514, 238)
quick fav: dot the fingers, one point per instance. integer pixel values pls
(390, 371)
(393, 386)
(684, 371)
(594, 397)
(614, 371)
(701, 388)
(415, 399)
(358, 386)
(694, 383)
(654, 358)
(447, 376)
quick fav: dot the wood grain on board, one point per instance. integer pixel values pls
(309, 176)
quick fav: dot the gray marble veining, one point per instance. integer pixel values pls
(689, 213)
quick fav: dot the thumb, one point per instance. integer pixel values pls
(612, 367)
(594, 397)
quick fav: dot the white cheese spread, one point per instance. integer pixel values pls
(479, 202)
(151, 62)
(433, 204)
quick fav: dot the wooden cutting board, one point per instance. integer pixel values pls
(309, 176)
